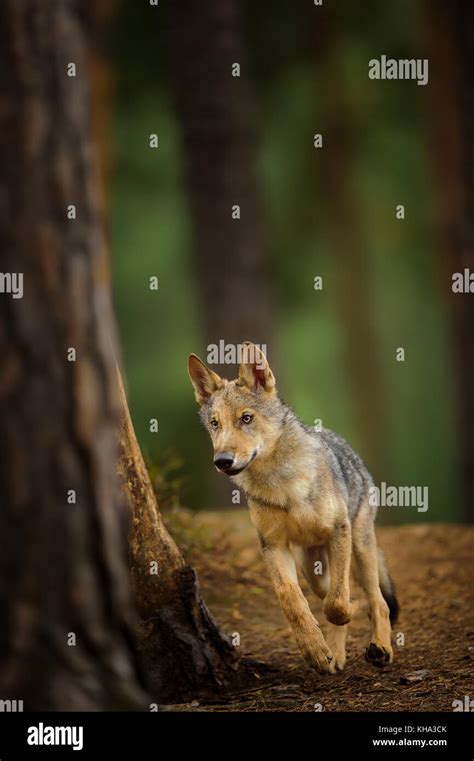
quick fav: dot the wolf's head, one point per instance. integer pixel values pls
(243, 416)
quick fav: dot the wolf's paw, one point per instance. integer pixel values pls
(378, 655)
(338, 662)
(320, 662)
(317, 655)
(336, 639)
(338, 612)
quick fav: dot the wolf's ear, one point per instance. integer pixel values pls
(255, 371)
(205, 381)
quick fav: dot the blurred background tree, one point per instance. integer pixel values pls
(305, 212)
(450, 40)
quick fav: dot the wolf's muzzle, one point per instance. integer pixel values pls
(229, 468)
(224, 461)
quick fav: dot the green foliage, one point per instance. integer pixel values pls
(168, 478)
(151, 235)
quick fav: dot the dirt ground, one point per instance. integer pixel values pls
(432, 566)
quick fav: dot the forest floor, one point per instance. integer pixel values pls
(432, 567)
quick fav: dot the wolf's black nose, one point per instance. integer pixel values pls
(224, 460)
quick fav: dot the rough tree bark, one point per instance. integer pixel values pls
(65, 598)
(185, 653)
(216, 119)
(65, 601)
(450, 42)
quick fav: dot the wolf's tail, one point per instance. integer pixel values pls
(388, 589)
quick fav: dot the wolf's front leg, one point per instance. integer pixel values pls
(308, 635)
(337, 606)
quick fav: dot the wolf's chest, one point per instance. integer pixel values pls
(307, 525)
(290, 510)
(273, 490)
(297, 523)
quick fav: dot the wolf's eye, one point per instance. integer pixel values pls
(214, 424)
(247, 418)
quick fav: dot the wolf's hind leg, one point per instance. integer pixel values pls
(337, 605)
(336, 639)
(379, 652)
(313, 561)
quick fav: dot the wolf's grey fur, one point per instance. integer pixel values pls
(348, 469)
(308, 496)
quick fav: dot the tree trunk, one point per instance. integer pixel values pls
(451, 130)
(99, 21)
(185, 654)
(65, 601)
(348, 245)
(216, 119)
